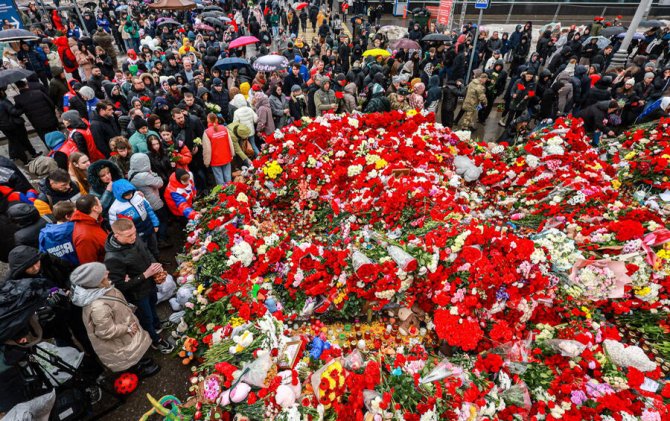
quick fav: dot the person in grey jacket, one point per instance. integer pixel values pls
(151, 185)
(324, 98)
(279, 106)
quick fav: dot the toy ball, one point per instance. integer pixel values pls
(126, 383)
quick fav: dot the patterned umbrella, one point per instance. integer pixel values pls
(405, 43)
(270, 62)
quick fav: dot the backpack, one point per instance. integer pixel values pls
(57, 239)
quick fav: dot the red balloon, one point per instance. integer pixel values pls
(126, 383)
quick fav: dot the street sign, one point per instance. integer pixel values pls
(9, 12)
(482, 4)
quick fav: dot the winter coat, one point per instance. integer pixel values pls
(474, 96)
(278, 104)
(297, 108)
(136, 209)
(88, 238)
(49, 197)
(265, 123)
(107, 320)
(595, 116)
(121, 162)
(80, 132)
(57, 142)
(29, 223)
(103, 130)
(10, 116)
(596, 94)
(146, 181)
(161, 164)
(323, 100)
(378, 103)
(39, 109)
(179, 198)
(52, 268)
(349, 104)
(451, 94)
(244, 113)
(106, 41)
(138, 141)
(57, 89)
(65, 51)
(131, 260)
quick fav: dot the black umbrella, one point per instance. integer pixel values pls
(214, 22)
(652, 23)
(611, 31)
(10, 35)
(230, 62)
(437, 37)
(212, 14)
(213, 8)
(13, 75)
(168, 21)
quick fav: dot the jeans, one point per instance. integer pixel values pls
(222, 174)
(252, 140)
(146, 314)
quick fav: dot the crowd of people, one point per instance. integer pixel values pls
(138, 119)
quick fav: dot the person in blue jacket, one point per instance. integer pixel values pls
(129, 204)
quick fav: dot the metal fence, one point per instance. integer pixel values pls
(574, 11)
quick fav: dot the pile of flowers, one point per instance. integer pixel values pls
(382, 266)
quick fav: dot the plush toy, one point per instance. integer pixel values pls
(160, 407)
(466, 168)
(287, 393)
(183, 295)
(187, 352)
(126, 383)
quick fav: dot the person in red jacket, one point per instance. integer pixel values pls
(88, 236)
(66, 55)
(179, 195)
(217, 150)
(80, 132)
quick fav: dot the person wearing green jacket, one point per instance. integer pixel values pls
(138, 141)
(238, 133)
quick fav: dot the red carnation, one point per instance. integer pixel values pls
(339, 95)
(520, 87)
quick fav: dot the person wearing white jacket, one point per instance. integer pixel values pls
(244, 114)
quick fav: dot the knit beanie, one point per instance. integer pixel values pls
(243, 131)
(139, 122)
(88, 275)
(630, 82)
(649, 75)
(71, 116)
(179, 173)
(87, 93)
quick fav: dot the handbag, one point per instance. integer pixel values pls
(247, 148)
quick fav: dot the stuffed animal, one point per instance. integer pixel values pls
(466, 168)
(184, 294)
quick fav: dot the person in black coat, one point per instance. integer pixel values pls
(38, 107)
(599, 92)
(293, 78)
(458, 69)
(29, 223)
(104, 126)
(450, 95)
(296, 104)
(187, 127)
(596, 117)
(14, 128)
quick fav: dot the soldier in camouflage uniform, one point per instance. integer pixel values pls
(475, 98)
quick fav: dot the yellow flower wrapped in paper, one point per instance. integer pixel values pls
(242, 342)
(328, 383)
(272, 170)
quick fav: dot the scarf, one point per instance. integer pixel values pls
(81, 297)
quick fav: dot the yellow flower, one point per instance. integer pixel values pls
(440, 158)
(641, 292)
(201, 288)
(381, 163)
(630, 155)
(587, 312)
(272, 170)
(616, 184)
(411, 113)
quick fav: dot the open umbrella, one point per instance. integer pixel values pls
(13, 75)
(212, 8)
(121, 7)
(376, 52)
(214, 22)
(393, 31)
(405, 43)
(168, 21)
(242, 41)
(611, 31)
(300, 6)
(653, 23)
(637, 35)
(225, 19)
(173, 5)
(204, 27)
(602, 41)
(270, 62)
(230, 63)
(10, 35)
(551, 26)
(437, 37)
(212, 14)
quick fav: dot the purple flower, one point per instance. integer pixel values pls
(578, 397)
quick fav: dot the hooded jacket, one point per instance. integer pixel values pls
(52, 268)
(80, 132)
(99, 189)
(138, 141)
(57, 142)
(49, 197)
(243, 113)
(146, 181)
(179, 198)
(137, 209)
(29, 223)
(131, 260)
